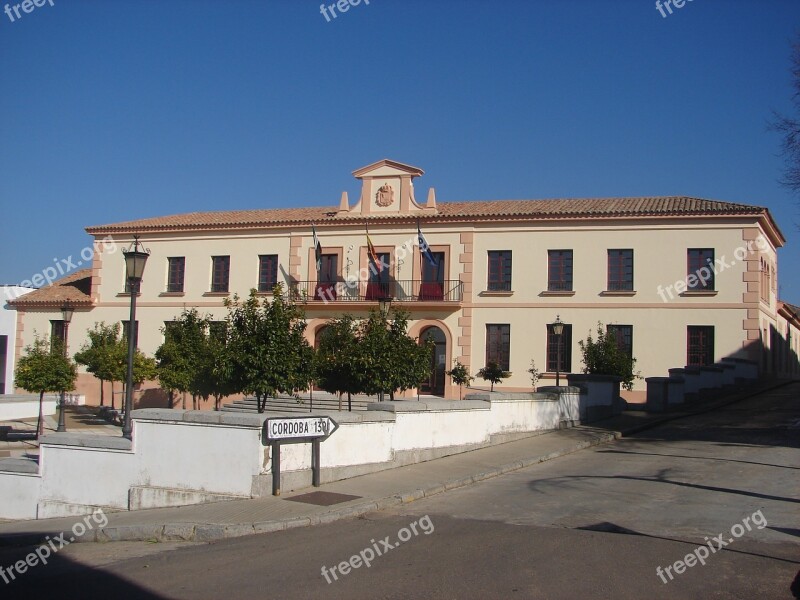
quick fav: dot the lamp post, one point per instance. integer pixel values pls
(66, 314)
(558, 329)
(384, 304)
(135, 259)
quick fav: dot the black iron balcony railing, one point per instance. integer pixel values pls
(369, 291)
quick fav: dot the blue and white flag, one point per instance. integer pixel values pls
(424, 248)
(317, 248)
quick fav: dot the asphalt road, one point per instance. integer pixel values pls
(596, 524)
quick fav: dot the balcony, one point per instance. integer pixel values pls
(369, 291)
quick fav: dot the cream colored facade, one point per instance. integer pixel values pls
(742, 307)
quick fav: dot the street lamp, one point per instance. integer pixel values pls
(558, 329)
(384, 304)
(135, 259)
(66, 315)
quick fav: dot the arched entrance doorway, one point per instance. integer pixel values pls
(435, 384)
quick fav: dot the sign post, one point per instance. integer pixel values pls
(296, 430)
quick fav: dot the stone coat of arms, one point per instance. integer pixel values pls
(385, 195)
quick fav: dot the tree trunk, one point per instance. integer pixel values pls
(170, 398)
(259, 404)
(391, 396)
(40, 422)
(183, 401)
(349, 402)
(102, 385)
(112, 394)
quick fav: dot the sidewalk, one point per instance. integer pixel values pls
(367, 493)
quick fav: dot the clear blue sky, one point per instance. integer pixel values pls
(125, 109)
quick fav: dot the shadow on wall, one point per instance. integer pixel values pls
(779, 358)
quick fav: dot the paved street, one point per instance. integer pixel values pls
(594, 524)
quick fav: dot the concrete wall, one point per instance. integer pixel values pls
(175, 456)
(26, 406)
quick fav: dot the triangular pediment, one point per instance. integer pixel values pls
(387, 188)
(387, 168)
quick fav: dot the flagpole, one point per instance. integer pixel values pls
(419, 245)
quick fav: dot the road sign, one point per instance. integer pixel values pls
(299, 428)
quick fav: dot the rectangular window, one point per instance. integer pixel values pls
(267, 272)
(498, 345)
(620, 270)
(169, 327)
(220, 273)
(135, 332)
(218, 330)
(559, 345)
(378, 284)
(127, 289)
(325, 289)
(330, 268)
(559, 270)
(700, 269)
(624, 337)
(431, 273)
(432, 285)
(56, 333)
(499, 271)
(175, 270)
(699, 345)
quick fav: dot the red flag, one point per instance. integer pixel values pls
(374, 255)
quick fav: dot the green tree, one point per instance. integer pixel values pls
(144, 367)
(460, 376)
(412, 364)
(212, 365)
(45, 369)
(336, 367)
(97, 355)
(603, 356)
(268, 349)
(173, 369)
(182, 360)
(387, 358)
(492, 372)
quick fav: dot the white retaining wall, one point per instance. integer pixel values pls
(224, 453)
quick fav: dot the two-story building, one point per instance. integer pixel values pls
(679, 280)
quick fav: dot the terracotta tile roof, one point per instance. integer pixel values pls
(533, 209)
(795, 310)
(75, 288)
